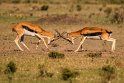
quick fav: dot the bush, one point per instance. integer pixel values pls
(27, 1)
(117, 16)
(78, 8)
(10, 68)
(56, 55)
(107, 73)
(15, 1)
(100, 9)
(108, 11)
(114, 1)
(68, 74)
(44, 8)
(94, 55)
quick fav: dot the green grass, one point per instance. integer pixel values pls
(86, 76)
(27, 68)
(13, 19)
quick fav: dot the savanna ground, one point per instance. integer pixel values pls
(63, 17)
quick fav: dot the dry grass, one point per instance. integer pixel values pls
(27, 62)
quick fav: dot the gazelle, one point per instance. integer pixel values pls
(92, 33)
(27, 28)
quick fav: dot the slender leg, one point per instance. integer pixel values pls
(49, 40)
(24, 45)
(113, 43)
(82, 47)
(42, 39)
(80, 44)
(44, 42)
(72, 39)
(22, 42)
(16, 41)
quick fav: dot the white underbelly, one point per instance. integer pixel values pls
(94, 37)
(26, 32)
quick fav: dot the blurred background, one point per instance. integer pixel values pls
(64, 11)
(60, 64)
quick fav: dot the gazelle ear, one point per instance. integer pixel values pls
(55, 35)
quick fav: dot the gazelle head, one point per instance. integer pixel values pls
(64, 37)
(54, 37)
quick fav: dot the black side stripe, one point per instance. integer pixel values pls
(27, 28)
(93, 34)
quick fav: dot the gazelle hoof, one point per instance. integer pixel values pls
(76, 51)
(21, 50)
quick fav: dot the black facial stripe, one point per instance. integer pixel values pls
(93, 34)
(109, 32)
(25, 27)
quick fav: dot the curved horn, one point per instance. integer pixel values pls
(61, 35)
(55, 36)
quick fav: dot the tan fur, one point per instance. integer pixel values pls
(105, 35)
(41, 33)
(87, 30)
(18, 28)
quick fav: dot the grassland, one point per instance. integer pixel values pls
(63, 17)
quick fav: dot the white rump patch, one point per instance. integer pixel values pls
(94, 37)
(26, 32)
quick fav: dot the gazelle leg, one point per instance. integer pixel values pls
(43, 40)
(72, 39)
(16, 41)
(80, 44)
(113, 43)
(82, 47)
(22, 42)
(49, 40)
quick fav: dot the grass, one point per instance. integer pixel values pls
(27, 62)
(27, 68)
(13, 19)
(55, 55)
